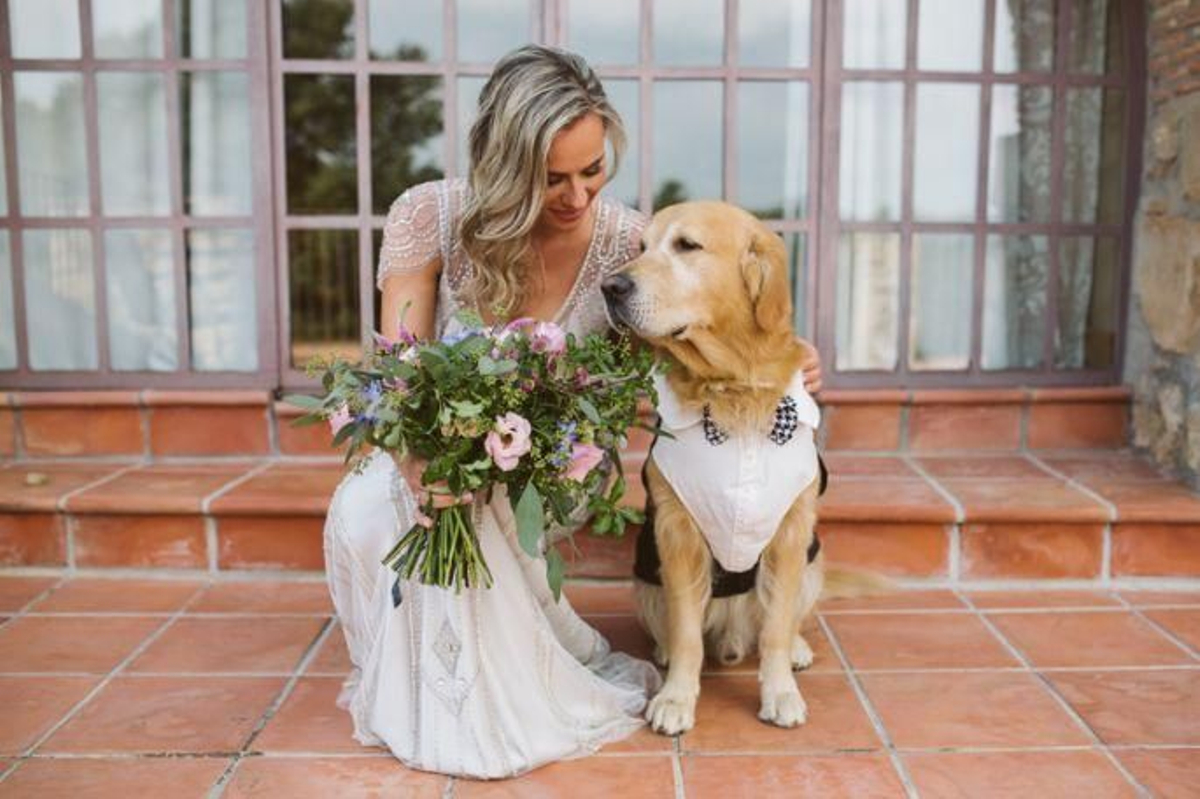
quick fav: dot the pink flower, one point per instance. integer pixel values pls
(341, 418)
(548, 337)
(517, 324)
(584, 458)
(508, 441)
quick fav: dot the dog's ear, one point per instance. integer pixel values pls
(764, 269)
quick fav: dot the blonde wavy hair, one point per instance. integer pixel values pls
(533, 93)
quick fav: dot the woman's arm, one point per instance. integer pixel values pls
(412, 297)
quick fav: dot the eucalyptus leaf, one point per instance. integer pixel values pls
(530, 521)
(589, 410)
(556, 568)
(306, 402)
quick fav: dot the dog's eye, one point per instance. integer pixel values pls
(641, 246)
(684, 244)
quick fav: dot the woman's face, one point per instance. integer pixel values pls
(574, 174)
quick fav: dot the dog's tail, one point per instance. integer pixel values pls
(843, 583)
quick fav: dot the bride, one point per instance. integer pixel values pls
(489, 682)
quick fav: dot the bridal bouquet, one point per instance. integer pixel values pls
(523, 405)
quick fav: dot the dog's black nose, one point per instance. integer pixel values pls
(617, 287)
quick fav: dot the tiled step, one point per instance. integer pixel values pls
(171, 424)
(962, 518)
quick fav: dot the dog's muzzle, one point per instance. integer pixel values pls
(618, 290)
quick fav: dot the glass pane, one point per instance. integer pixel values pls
(133, 143)
(940, 299)
(127, 28)
(323, 289)
(221, 294)
(772, 149)
(687, 141)
(321, 145)
(873, 34)
(406, 135)
(51, 154)
(1097, 33)
(468, 108)
(8, 319)
(797, 253)
(318, 28)
(1020, 154)
(140, 283)
(605, 33)
(1014, 301)
(487, 29)
(60, 300)
(871, 151)
(211, 28)
(946, 156)
(217, 171)
(950, 36)
(1093, 171)
(774, 33)
(623, 95)
(689, 32)
(1088, 274)
(408, 31)
(1024, 39)
(868, 301)
(44, 28)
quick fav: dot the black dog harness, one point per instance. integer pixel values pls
(647, 565)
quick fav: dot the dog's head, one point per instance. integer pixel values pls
(710, 288)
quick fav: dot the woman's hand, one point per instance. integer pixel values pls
(437, 494)
(811, 366)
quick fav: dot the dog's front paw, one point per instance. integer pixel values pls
(783, 708)
(670, 713)
(802, 654)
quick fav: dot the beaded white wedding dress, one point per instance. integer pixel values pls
(490, 682)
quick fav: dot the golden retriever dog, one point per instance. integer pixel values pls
(737, 480)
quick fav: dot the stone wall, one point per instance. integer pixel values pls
(1163, 357)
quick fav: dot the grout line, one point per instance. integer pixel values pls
(1106, 536)
(677, 766)
(1048, 685)
(877, 722)
(960, 515)
(218, 788)
(60, 505)
(954, 530)
(1166, 632)
(206, 503)
(211, 544)
(100, 686)
(24, 609)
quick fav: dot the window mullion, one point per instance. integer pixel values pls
(975, 367)
(95, 206)
(904, 303)
(175, 163)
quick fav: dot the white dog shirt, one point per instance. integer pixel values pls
(739, 487)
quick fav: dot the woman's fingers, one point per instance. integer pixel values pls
(811, 366)
(439, 496)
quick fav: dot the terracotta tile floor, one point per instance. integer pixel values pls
(121, 687)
